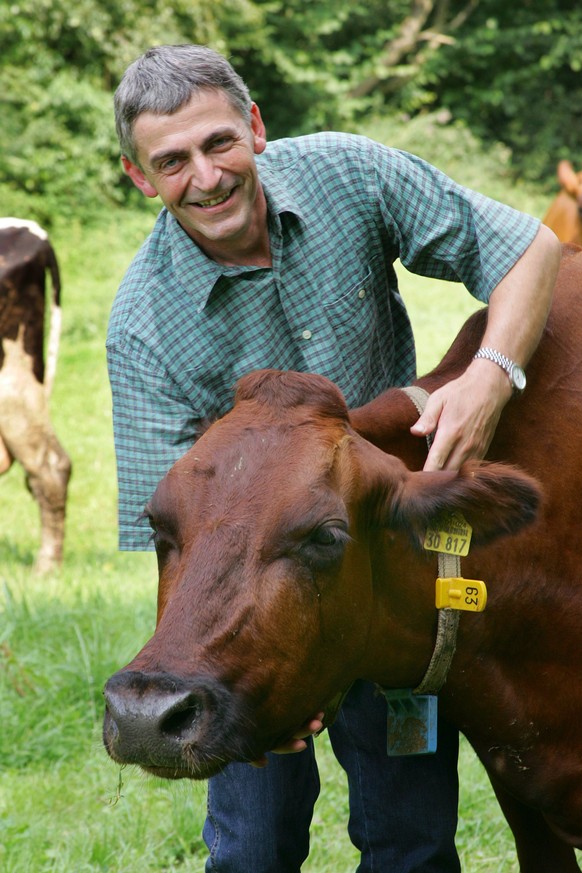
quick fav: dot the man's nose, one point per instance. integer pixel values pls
(204, 174)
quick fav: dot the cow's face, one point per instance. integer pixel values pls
(268, 534)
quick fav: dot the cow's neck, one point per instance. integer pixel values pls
(386, 420)
(405, 617)
(405, 626)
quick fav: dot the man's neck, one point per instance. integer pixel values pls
(253, 253)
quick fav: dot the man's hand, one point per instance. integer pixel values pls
(297, 742)
(464, 413)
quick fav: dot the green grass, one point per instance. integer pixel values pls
(64, 806)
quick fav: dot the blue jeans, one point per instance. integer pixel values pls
(403, 811)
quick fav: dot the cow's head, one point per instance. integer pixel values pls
(276, 536)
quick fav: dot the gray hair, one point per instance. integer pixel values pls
(165, 78)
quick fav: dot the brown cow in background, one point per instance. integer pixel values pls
(26, 433)
(564, 216)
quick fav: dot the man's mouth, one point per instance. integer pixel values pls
(214, 201)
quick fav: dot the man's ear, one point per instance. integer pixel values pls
(138, 178)
(259, 130)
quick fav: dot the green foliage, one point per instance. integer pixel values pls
(313, 54)
(509, 72)
(61, 151)
(60, 64)
(513, 75)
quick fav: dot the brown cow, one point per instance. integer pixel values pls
(564, 216)
(26, 433)
(290, 565)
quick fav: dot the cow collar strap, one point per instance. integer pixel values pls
(448, 619)
(442, 656)
(412, 713)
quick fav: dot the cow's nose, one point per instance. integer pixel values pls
(151, 718)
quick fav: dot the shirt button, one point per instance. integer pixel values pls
(306, 334)
(362, 293)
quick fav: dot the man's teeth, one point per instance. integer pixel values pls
(215, 200)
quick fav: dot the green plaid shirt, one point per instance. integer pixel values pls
(342, 209)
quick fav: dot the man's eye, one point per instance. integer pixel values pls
(170, 165)
(222, 143)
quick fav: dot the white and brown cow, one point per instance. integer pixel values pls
(26, 432)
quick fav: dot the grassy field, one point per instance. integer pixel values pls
(64, 806)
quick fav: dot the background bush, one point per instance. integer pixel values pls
(510, 74)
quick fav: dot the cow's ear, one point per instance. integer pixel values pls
(568, 178)
(495, 499)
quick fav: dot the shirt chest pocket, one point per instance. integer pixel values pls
(353, 319)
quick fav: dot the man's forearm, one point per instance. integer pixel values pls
(465, 412)
(519, 305)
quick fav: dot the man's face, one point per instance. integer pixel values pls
(201, 162)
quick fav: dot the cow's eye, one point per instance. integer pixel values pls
(325, 544)
(330, 534)
(161, 539)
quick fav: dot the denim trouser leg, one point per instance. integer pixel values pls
(403, 811)
(258, 819)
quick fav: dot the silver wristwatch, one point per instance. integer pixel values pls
(513, 370)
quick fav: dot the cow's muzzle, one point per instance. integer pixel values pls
(171, 726)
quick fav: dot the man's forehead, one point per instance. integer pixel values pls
(207, 109)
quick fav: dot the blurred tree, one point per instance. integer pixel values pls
(61, 60)
(514, 75)
(510, 72)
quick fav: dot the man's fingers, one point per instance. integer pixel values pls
(297, 742)
(310, 727)
(260, 762)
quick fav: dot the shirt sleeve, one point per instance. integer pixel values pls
(446, 231)
(153, 426)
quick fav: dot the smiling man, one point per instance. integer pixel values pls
(201, 161)
(281, 255)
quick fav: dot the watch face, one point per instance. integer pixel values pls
(518, 377)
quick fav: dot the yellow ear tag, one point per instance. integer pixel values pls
(451, 535)
(467, 594)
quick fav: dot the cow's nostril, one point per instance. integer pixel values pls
(182, 720)
(162, 721)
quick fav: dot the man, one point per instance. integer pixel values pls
(282, 256)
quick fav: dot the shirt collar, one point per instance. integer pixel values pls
(280, 198)
(197, 273)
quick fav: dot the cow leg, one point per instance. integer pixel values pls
(26, 430)
(539, 849)
(47, 477)
(6, 458)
